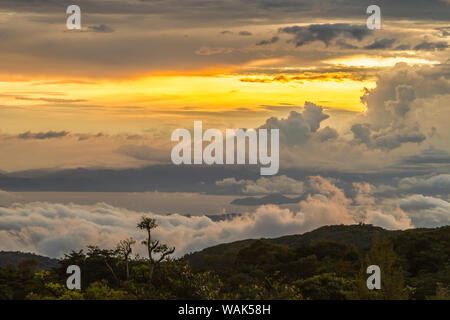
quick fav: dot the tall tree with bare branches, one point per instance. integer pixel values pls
(153, 246)
(124, 248)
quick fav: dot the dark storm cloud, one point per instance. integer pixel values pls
(345, 45)
(100, 28)
(164, 178)
(266, 42)
(380, 44)
(170, 178)
(285, 4)
(87, 136)
(403, 47)
(431, 46)
(428, 157)
(138, 26)
(238, 9)
(388, 139)
(245, 33)
(325, 33)
(42, 135)
(444, 31)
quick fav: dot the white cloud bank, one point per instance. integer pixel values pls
(54, 229)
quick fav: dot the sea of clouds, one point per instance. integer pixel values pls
(53, 229)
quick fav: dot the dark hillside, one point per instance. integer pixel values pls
(15, 257)
(361, 236)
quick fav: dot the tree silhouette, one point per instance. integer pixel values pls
(108, 256)
(153, 246)
(124, 248)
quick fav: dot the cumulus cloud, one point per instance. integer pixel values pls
(437, 184)
(404, 97)
(297, 128)
(399, 105)
(387, 139)
(363, 193)
(406, 109)
(393, 221)
(413, 210)
(400, 90)
(326, 134)
(426, 211)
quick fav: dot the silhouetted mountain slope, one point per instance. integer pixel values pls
(331, 257)
(327, 263)
(361, 236)
(15, 257)
(167, 178)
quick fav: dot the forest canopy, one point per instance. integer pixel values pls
(327, 263)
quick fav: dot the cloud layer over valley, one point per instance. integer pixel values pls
(52, 229)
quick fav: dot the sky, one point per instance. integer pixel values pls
(363, 118)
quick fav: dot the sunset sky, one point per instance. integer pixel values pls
(144, 68)
(363, 114)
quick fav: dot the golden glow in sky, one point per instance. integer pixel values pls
(377, 61)
(167, 98)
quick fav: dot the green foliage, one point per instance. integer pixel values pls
(425, 257)
(442, 292)
(325, 287)
(174, 279)
(414, 264)
(100, 290)
(265, 290)
(17, 282)
(49, 290)
(392, 283)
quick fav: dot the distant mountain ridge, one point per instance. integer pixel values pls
(269, 199)
(15, 257)
(362, 236)
(164, 178)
